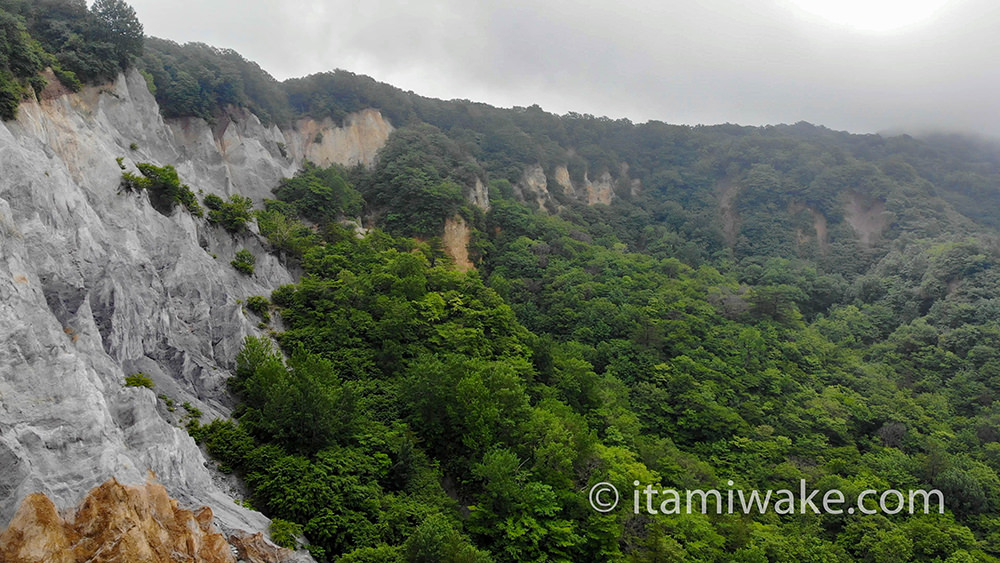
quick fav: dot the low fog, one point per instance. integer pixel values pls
(708, 62)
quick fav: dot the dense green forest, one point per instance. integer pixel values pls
(761, 305)
(421, 414)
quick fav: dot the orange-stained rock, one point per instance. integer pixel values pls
(116, 523)
(255, 549)
(37, 533)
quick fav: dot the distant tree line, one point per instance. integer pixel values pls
(81, 45)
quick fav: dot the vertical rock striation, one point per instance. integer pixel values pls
(96, 285)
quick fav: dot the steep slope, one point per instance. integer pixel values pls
(96, 285)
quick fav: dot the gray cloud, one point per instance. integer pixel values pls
(710, 61)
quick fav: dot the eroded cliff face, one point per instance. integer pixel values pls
(456, 242)
(536, 187)
(324, 143)
(96, 285)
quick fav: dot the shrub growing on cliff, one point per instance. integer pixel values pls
(233, 215)
(287, 234)
(244, 262)
(139, 380)
(260, 305)
(303, 402)
(283, 533)
(164, 187)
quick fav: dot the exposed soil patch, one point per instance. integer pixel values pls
(727, 191)
(866, 216)
(456, 243)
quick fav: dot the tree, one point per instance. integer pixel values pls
(120, 26)
(320, 194)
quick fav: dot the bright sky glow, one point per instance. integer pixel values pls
(878, 16)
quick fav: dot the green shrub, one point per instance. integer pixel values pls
(244, 262)
(260, 305)
(187, 198)
(288, 235)
(193, 411)
(131, 182)
(318, 553)
(10, 96)
(139, 380)
(233, 215)
(283, 533)
(21, 60)
(67, 78)
(213, 202)
(167, 401)
(164, 187)
(37, 84)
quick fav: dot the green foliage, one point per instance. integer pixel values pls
(119, 26)
(244, 262)
(202, 81)
(630, 366)
(288, 235)
(436, 540)
(213, 202)
(418, 181)
(303, 405)
(139, 380)
(320, 195)
(10, 96)
(774, 304)
(232, 215)
(21, 59)
(260, 305)
(192, 411)
(80, 45)
(167, 401)
(284, 533)
(68, 79)
(164, 188)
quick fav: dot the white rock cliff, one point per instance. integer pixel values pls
(96, 285)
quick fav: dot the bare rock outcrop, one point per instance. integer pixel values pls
(324, 143)
(118, 523)
(536, 187)
(456, 242)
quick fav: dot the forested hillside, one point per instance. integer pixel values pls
(761, 305)
(637, 341)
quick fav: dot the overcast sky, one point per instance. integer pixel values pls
(859, 65)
